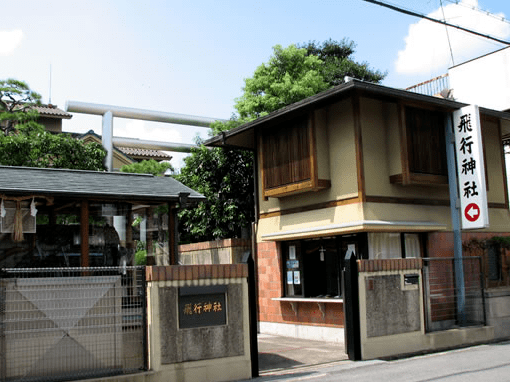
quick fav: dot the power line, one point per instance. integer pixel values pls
(416, 14)
(480, 10)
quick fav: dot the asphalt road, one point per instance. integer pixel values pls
(480, 363)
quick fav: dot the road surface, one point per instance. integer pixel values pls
(480, 363)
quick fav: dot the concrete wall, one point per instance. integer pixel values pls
(497, 306)
(211, 353)
(392, 313)
(226, 251)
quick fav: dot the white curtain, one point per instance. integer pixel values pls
(384, 245)
(412, 243)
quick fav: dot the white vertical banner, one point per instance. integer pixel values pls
(470, 168)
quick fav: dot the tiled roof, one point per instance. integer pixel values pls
(146, 153)
(92, 184)
(49, 111)
(52, 111)
(132, 152)
(98, 137)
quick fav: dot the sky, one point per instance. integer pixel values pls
(191, 57)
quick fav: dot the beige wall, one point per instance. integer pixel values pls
(334, 220)
(381, 154)
(342, 150)
(321, 139)
(494, 163)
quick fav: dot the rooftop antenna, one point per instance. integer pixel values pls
(447, 34)
(49, 100)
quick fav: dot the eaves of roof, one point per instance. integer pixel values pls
(52, 112)
(92, 184)
(144, 153)
(342, 91)
(49, 111)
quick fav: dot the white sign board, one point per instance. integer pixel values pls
(470, 168)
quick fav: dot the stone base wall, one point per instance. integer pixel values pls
(187, 342)
(392, 311)
(226, 251)
(497, 306)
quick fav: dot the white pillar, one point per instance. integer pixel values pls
(107, 139)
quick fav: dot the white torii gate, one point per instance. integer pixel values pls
(109, 111)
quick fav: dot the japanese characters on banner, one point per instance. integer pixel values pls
(470, 168)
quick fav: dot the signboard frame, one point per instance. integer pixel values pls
(470, 168)
(202, 306)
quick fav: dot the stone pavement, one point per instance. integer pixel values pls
(278, 353)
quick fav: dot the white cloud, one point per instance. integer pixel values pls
(427, 49)
(9, 41)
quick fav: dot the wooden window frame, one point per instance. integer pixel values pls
(408, 177)
(306, 185)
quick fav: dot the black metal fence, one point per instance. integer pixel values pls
(442, 297)
(61, 324)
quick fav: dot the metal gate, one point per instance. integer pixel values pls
(441, 293)
(72, 323)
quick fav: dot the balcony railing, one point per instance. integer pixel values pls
(438, 86)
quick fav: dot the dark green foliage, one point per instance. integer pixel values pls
(225, 178)
(338, 62)
(32, 146)
(501, 241)
(147, 167)
(290, 76)
(25, 142)
(141, 253)
(16, 101)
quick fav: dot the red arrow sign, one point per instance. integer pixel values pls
(472, 212)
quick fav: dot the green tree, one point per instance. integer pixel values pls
(16, 104)
(290, 76)
(298, 72)
(32, 146)
(225, 177)
(148, 167)
(338, 62)
(25, 142)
